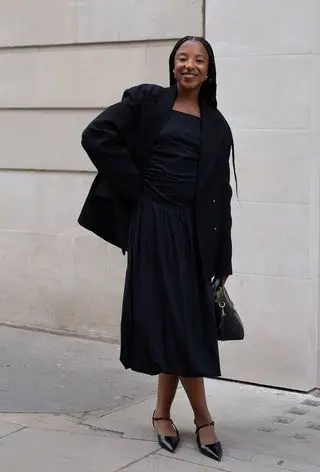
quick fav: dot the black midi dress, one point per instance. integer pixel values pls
(168, 323)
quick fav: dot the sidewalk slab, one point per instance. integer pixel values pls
(45, 373)
(231, 464)
(160, 463)
(48, 451)
(268, 428)
(97, 424)
(7, 429)
(64, 423)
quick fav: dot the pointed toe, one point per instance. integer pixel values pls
(169, 443)
(214, 451)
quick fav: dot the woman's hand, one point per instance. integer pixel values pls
(224, 279)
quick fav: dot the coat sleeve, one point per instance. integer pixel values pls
(108, 141)
(224, 250)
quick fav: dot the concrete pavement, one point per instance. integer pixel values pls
(262, 430)
(46, 373)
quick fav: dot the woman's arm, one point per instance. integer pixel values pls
(108, 141)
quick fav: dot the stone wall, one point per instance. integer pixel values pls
(61, 62)
(269, 65)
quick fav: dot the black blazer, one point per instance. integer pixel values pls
(119, 142)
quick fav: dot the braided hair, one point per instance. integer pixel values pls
(208, 90)
(209, 87)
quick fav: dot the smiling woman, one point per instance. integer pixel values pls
(191, 64)
(163, 195)
(194, 55)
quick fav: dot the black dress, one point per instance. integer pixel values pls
(168, 320)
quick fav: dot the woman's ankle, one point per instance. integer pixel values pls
(162, 412)
(201, 418)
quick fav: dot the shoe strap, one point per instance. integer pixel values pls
(161, 418)
(164, 418)
(204, 426)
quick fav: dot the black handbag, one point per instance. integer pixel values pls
(229, 324)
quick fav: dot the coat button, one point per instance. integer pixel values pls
(214, 229)
(213, 201)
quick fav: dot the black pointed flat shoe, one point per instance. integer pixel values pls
(214, 451)
(169, 443)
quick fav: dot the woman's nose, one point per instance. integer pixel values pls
(190, 64)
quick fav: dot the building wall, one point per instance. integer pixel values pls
(268, 64)
(61, 63)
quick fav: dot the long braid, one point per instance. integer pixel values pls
(209, 87)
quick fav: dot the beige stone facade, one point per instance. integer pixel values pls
(61, 62)
(269, 68)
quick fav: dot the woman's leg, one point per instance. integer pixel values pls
(167, 387)
(195, 391)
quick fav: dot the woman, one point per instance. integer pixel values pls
(162, 194)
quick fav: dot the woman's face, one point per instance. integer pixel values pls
(191, 65)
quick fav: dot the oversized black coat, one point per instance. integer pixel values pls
(119, 142)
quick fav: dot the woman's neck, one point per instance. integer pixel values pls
(187, 101)
(190, 96)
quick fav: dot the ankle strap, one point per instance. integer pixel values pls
(204, 426)
(161, 418)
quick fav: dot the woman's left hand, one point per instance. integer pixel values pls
(224, 279)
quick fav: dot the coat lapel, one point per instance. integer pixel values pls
(154, 116)
(162, 111)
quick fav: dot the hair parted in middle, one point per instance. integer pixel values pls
(209, 87)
